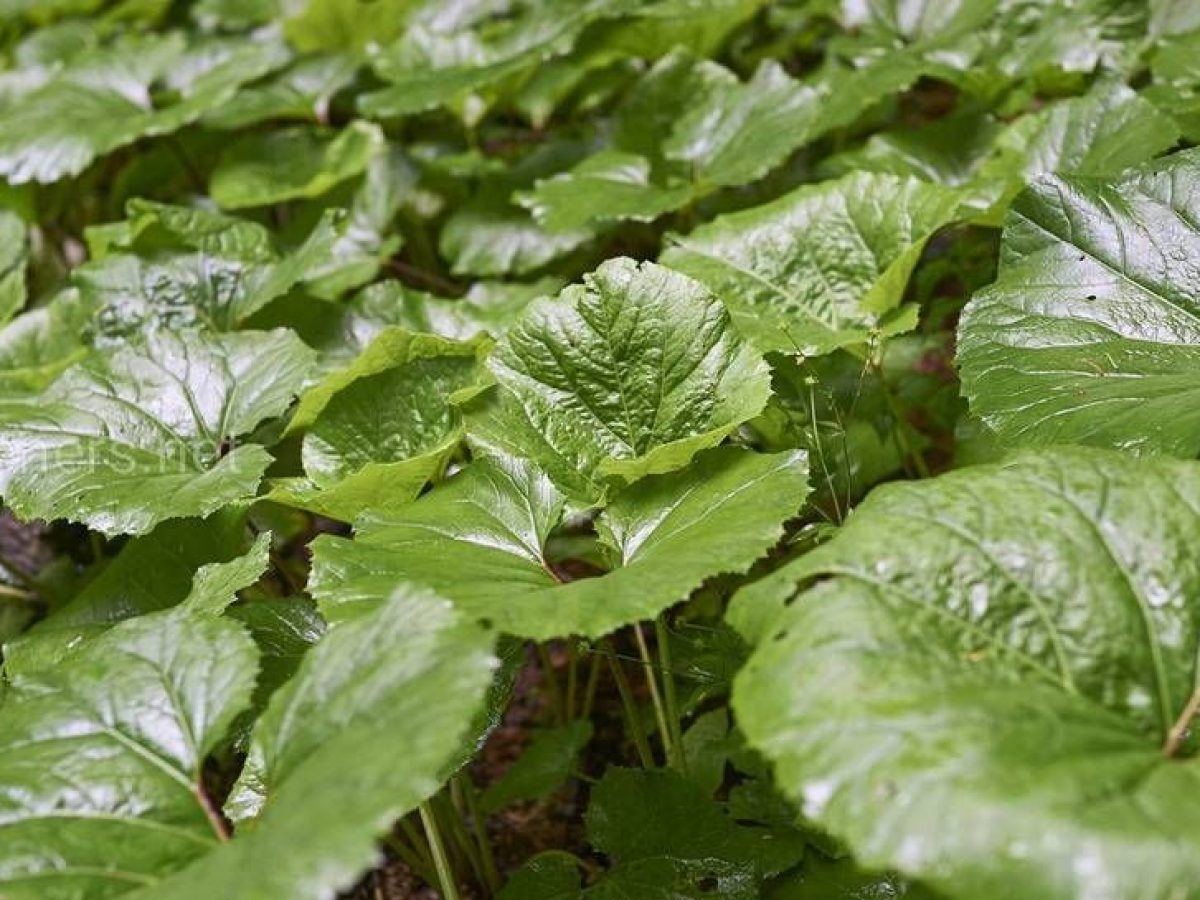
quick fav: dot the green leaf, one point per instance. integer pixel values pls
(303, 91)
(984, 705)
(123, 441)
(486, 307)
(216, 584)
(1091, 332)
(1099, 135)
(367, 237)
(401, 683)
(151, 573)
(655, 29)
(343, 24)
(638, 815)
(823, 879)
(627, 375)
(291, 163)
(14, 257)
(102, 761)
(37, 346)
(490, 235)
(706, 746)
(430, 67)
(946, 151)
(182, 268)
(622, 181)
(543, 766)
(58, 129)
(793, 286)
(379, 429)
(491, 239)
(739, 132)
(480, 539)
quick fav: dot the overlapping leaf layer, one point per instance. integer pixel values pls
(599, 449)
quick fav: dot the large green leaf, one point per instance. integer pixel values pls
(1100, 135)
(1091, 332)
(395, 692)
(608, 186)
(980, 691)
(480, 540)
(151, 573)
(626, 375)
(430, 66)
(291, 163)
(377, 430)
(101, 774)
(180, 267)
(822, 267)
(486, 307)
(97, 105)
(127, 439)
(690, 127)
(738, 132)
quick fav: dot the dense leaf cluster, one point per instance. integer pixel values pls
(803, 393)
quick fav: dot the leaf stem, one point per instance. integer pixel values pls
(212, 812)
(898, 430)
(550, 682)
(634, 721)
(447, 886)
(572, 678)
(663, 638)
(1179, 730)
(660, 713)
(452, 823)
(479, 827)
(411, 854)
(593, 680)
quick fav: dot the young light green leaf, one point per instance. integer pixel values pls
(628, 374)
(954, 666)
(1091, 332)
(822, 267)
(349, 25)
(356, 455)
(291, 163)
(480, 539)
(125, 440)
